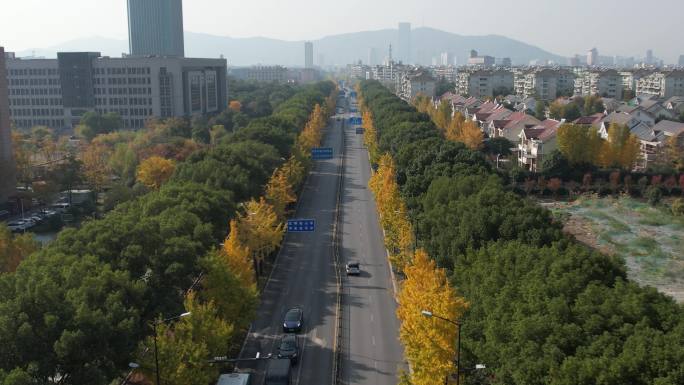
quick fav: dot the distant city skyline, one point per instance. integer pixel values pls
(553, 27)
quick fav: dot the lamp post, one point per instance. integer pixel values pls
(429, 314)
(156, 350)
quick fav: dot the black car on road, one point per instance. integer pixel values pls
(353, 268)
(288, 348)
(294, 320)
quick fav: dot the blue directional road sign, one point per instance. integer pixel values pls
(322, 153)
(356, 120)
(301, 225)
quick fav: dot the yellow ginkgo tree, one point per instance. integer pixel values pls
(430, 343)
(260, 230)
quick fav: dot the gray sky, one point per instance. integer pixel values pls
(616, 27)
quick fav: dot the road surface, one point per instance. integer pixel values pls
(372, 353)
(304, 277)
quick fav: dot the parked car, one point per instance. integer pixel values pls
(353, 268)
(288, 348)
(294, 320)
(21, 225)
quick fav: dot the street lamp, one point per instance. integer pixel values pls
(156, 351)
(429, 314)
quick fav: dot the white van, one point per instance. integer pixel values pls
(234, 379)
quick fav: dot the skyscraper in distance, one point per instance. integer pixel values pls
(155, 28)
(649, 56)
(405, 43)
(308, 55)
(681, 60)
(7, 170)
(592, 57)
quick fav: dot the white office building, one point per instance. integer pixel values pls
(57, 92)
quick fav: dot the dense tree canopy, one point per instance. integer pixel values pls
(543, 310)
(77, 309)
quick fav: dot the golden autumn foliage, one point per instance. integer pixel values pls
(96, 168)
(154, 171)
(579, 144)
(621, 149)
(430, 343)
(260, 229)
(467, 132)
(238, 257)
(370, 135)
(393, 213)
(311, 135)
(14, 249)
(280, 192)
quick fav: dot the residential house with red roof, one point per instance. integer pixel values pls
(537, 143)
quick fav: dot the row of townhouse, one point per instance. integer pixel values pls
(645, 116)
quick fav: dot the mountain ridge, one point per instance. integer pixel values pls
(336, 49)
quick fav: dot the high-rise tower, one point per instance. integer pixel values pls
(308, 55)
(155, 27)
(405, 43)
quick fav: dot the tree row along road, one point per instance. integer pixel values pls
(304, 277)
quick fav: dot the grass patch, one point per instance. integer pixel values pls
(649, 245)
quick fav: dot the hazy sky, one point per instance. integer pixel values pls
(616, 27)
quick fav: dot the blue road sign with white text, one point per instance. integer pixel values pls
(301, 225)
(321, 153)
(356, 120)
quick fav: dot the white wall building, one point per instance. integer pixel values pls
(57, 92)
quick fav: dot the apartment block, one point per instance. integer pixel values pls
(57, 92)
(544, 83)
(602, 82)
(483, 83)
(663, 84)
(630, 78)
(448, 73)
(266, 74)
(414, 83)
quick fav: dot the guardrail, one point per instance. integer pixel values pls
(337, 359)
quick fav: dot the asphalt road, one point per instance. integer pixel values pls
(372, 353)
(304, 277)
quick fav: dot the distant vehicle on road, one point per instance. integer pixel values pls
(288, 348)
(294, 319)
(278, 372)
(353, 268)
(235, 379)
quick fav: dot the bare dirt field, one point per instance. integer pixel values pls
(650, 240)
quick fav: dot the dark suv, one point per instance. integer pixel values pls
(294, 320)
(288, 348)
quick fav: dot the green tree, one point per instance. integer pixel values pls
(540, 110)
